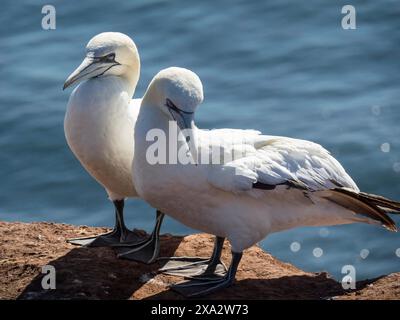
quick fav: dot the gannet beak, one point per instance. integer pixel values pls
(185, 122)
(184, 119)
(81, 73)
(90, 67)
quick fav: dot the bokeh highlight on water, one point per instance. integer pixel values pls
(282, 67)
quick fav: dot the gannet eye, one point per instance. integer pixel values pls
(110, 57)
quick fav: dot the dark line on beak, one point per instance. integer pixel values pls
(82, 75)
(171, 106)
(172, 115)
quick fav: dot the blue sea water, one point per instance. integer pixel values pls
(282, 67)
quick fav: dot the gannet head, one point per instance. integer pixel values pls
(177, 92)
(108, 53)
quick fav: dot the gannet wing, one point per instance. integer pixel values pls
(279, 162)
(271, 161)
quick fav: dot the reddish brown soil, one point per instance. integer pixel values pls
(96, 273)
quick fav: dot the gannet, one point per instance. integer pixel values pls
(98, 127)
(274, 183)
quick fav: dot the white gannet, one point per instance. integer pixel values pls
(98, 126)
(273, 184)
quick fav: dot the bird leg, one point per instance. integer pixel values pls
(146, 251)
(195, 267)
(195, 288)
(119, 236)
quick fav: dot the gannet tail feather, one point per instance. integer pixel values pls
(387, 204)
(372, 206)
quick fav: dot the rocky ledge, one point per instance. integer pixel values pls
(96, 273)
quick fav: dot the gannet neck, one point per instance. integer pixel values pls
(150, 117)
(132, 79)
(103, 92)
